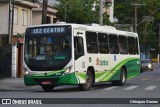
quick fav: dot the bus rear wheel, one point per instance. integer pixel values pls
(47, 88)
(89, 82)
(122, 80)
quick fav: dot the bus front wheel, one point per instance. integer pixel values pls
(122, 80)
(47, 87)
(89, 82)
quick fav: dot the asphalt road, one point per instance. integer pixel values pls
(147, 85)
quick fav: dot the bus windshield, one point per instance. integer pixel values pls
(45, 52)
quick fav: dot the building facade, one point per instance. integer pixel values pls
(37, 15)
(14, 25)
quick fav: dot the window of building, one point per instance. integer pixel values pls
(123, 45)
(91, 39)
(48, 19)
(15, 15)
(24, 17)
(103, 43)
(113, 44)
(54, 20)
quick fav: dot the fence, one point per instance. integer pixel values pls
(5, 62)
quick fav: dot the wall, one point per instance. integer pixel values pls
(4, 18)
(36, 17)
(53, 18)
(19, 28)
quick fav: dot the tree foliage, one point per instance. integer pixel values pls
(79, 11)
(147, 30)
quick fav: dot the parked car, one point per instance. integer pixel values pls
(146, 64)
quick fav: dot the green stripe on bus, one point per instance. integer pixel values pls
(108, 75)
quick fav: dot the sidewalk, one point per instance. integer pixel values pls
(11, 84)
(156, 65)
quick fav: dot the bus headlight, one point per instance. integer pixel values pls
(68, 70)
(26, 72)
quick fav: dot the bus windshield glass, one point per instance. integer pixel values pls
(47, 48)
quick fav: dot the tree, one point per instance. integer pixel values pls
(79, 11)
(147, 30)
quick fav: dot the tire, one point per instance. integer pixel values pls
(89, 82)
(122, 80)
(47, 88)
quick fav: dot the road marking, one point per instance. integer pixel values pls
(110, 88)
(150, 87)
(131, 88)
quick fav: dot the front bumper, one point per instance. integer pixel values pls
(67, 79)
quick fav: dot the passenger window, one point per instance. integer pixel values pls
(123, 45)
(113, 44)
(137, 51)
(131, 45)
(91, 40)
(103, 43)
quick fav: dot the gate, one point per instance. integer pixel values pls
(5, 62)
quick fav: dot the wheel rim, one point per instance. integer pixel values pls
(123, 78)
(88, 81)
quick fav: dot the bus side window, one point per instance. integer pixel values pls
(113, 44)
(136, 46)
(123, 44)
(131, 46)
(91, 42)
(78, 47)
(103, 43)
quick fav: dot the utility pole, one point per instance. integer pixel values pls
(13, 3)
(9, 23)
(44, 11)
(107, 4)
(101, 12)
(135, 22)
(65, 12)
(11, 19)
(145, 41)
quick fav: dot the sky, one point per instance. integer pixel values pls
(51, 1)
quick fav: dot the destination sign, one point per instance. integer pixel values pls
(47, 30)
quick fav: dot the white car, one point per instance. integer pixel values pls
(146, 64)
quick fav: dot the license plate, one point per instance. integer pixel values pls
(46, 82)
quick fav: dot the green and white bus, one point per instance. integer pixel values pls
(75, 54)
